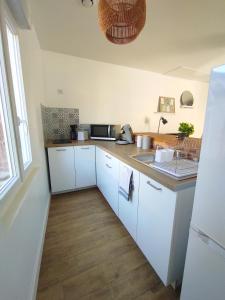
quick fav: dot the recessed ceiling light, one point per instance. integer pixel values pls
(87, 3)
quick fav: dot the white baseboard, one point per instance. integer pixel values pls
(39, 255)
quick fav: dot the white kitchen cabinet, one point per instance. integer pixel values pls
(156, 217)
(128, 210)
(61, 167)
(111, 178)
(155, 224)
(163, 225)
(100, 161)
(108, 177)
(85, 166)
(72, 167)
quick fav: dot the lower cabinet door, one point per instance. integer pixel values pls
(111, 184)
(61, 167)
(111, 193)
(107, 169)
(155, 224)
(85, 166)
(128, 210)
(100, 168)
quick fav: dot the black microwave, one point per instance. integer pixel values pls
(105, 132)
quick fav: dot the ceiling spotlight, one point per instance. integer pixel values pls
(87, 3)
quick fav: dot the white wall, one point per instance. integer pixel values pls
(107, 93)
(22, 225)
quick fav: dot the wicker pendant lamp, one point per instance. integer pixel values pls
(121, 20)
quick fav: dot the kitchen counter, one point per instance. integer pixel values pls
(122, 152)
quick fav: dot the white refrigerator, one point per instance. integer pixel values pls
(204, 274)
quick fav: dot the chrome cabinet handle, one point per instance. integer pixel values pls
(153, 186)
(109, 131)
(108, 166)
(109, 157)
(61, 150)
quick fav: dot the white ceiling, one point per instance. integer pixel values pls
(184, 38)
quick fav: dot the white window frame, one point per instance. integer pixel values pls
(8, 20)
(10, 127)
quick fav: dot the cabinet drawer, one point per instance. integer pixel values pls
(111, 165)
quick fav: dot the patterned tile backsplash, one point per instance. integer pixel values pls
(56, 122)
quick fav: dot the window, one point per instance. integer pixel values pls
(19, 94)
(8, 167)
(15, 149)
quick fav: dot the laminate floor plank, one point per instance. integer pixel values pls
(88, 254)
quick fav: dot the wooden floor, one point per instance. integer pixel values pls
(88, 254)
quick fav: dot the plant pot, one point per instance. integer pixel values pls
(182, 135)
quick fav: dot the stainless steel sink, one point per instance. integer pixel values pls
(177, 169)
(145, 158)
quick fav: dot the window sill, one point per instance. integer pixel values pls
(10, 186)
(27, 169)
(14, 199)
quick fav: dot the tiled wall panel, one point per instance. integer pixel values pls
(57, 121)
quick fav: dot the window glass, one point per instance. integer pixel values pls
(7, 159)
(19, 95)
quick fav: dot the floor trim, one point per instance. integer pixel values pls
(39, 254)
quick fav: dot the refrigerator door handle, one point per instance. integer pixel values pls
(200, 234)
(203, 236)
(211, 243)
(216, 248)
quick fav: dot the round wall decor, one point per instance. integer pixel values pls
(186, 99)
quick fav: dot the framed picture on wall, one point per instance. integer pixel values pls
(166, 104)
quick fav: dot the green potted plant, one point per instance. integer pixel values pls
(186, 129)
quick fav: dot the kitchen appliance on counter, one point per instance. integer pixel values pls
(82, 135)
(126, 136)
(73, 132)
(105, 132)
(204, 274)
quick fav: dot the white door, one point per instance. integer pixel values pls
(62, 170)
(128, 209)
(155, 224)
(209, 204)
(204, 274)
(85, 166)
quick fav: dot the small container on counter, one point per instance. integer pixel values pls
(146, 142)
(164, 155)
(82, 135)
(139, 141)
(169, 154)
